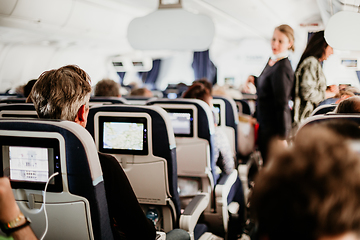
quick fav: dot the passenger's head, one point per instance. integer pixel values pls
(309, 191)
(141, 92)
(198, 91)
(317, 47)
(343, 94)
(344, 127)
(349, 105)
(107, 88)
(206, 83)
(28, 87)
(62, 94)
(283, 39)
(352, 89)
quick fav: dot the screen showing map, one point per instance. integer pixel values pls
(123, 135)
(28, 164)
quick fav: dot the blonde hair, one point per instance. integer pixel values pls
(289, 32)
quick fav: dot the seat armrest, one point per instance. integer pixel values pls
(225, 183)
(160, 235)
(192, 212)
(222, 190)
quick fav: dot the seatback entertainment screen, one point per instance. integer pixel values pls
(29, 162)
(182, 122)
(123, 135)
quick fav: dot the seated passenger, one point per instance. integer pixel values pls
(331, 91)
(349, 105)
(309, 191)
(107, 88)
(249, 85)
(141, 92)
(206, 83)
(64, 94)
(223, 154)
(10, 213)
(28, 87)
(341, 95)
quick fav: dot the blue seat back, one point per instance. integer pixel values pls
(161, 144)
(321, 118)
(82, 181)
(18, 110)
(205, 123)
(13, 100)
(230, 116)
(323, 109)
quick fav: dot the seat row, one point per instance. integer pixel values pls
(143, 141)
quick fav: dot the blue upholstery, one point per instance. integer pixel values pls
(78, 172)
(114, 100)
(320, 118)
(230, 114)
(231, 117)
(245, 106)
(137, 98)
(17, 106)
(221, 187)
(323, 109)
(199, 230)
(13, 100)
(159, 135)
(18, 110)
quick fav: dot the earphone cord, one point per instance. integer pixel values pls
(46, 217)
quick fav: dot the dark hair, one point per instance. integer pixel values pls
(309, 190)
(349, 105)
(198, 91)
(107, 88)
(28, 87)
(206, 83)
(315, 47)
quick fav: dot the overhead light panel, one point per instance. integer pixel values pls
(171, 28)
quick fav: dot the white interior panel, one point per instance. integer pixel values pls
(51, 12)
(7, 6)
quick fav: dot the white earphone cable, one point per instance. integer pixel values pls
(46, 217)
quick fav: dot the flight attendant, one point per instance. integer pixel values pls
(274, 87)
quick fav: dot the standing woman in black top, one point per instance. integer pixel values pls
(274, 87)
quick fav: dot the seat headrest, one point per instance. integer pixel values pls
(160, 124)
(205, 118)
(320, 118)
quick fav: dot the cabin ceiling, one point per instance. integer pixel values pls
(234, 20)
(237, 19)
